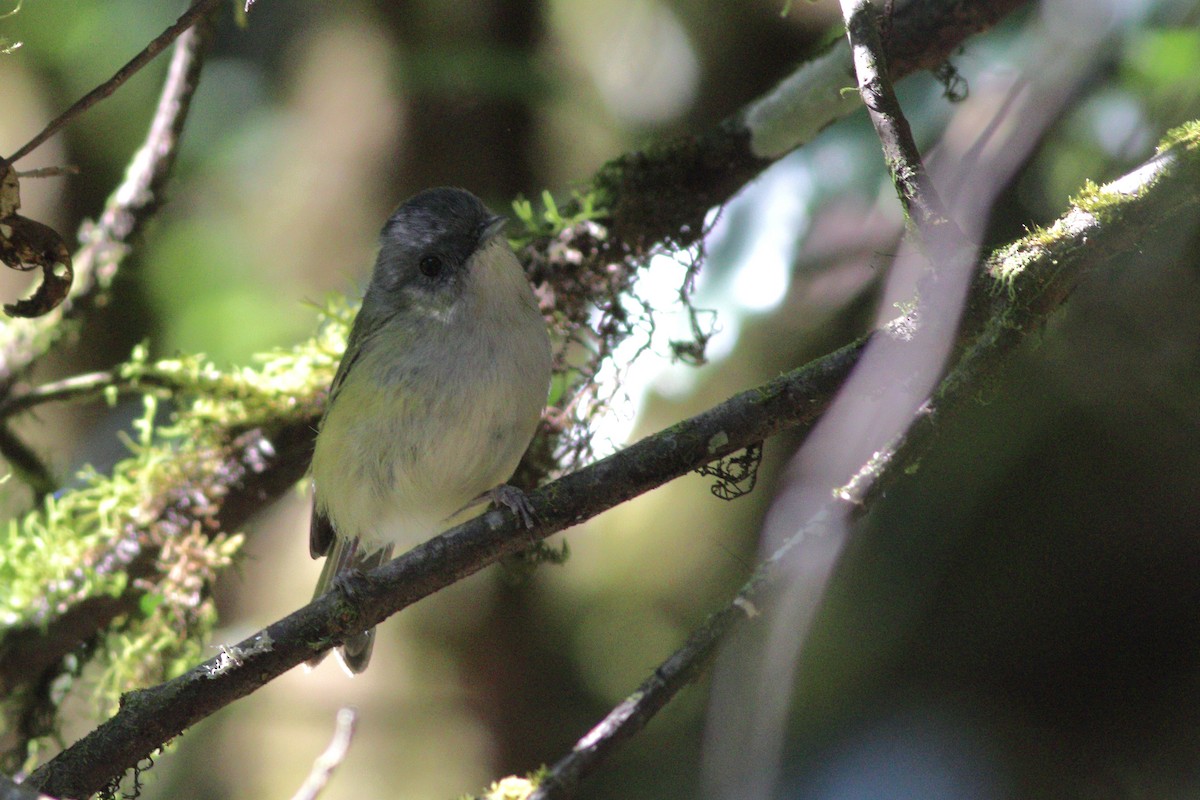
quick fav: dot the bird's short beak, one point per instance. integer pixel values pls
(492, 227)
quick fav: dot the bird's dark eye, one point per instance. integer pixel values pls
(431, 266)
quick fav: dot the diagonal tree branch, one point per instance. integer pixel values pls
(150, 717)
(629, 717)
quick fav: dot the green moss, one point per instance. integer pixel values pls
(1186, 135)
(158, 508)
(512, 787)
(1009, 263)
(552, 220)
(1104, 201)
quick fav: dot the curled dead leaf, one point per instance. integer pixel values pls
(27, 244)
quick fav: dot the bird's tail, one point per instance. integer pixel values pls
(345, 556)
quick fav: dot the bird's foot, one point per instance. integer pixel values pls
(515, 501)
(351, 582)
(511, 498)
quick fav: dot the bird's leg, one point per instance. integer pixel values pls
(351, 582)
(511, 498)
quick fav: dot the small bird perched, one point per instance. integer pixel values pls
(437, 396)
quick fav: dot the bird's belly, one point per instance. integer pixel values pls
(392, 464)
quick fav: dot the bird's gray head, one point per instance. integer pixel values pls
(426, 248)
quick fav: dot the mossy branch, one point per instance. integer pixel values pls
(660, 196)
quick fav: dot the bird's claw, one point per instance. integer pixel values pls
(515, 501)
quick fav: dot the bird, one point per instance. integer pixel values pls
(437, 396)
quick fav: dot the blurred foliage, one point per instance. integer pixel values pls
(1017, 620)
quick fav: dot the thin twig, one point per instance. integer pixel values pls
(331, 758)
(82, 387)
(917, 193)
(141, 193)
(48, 172)
(76, 386)
(634, 712)
(156, 46)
